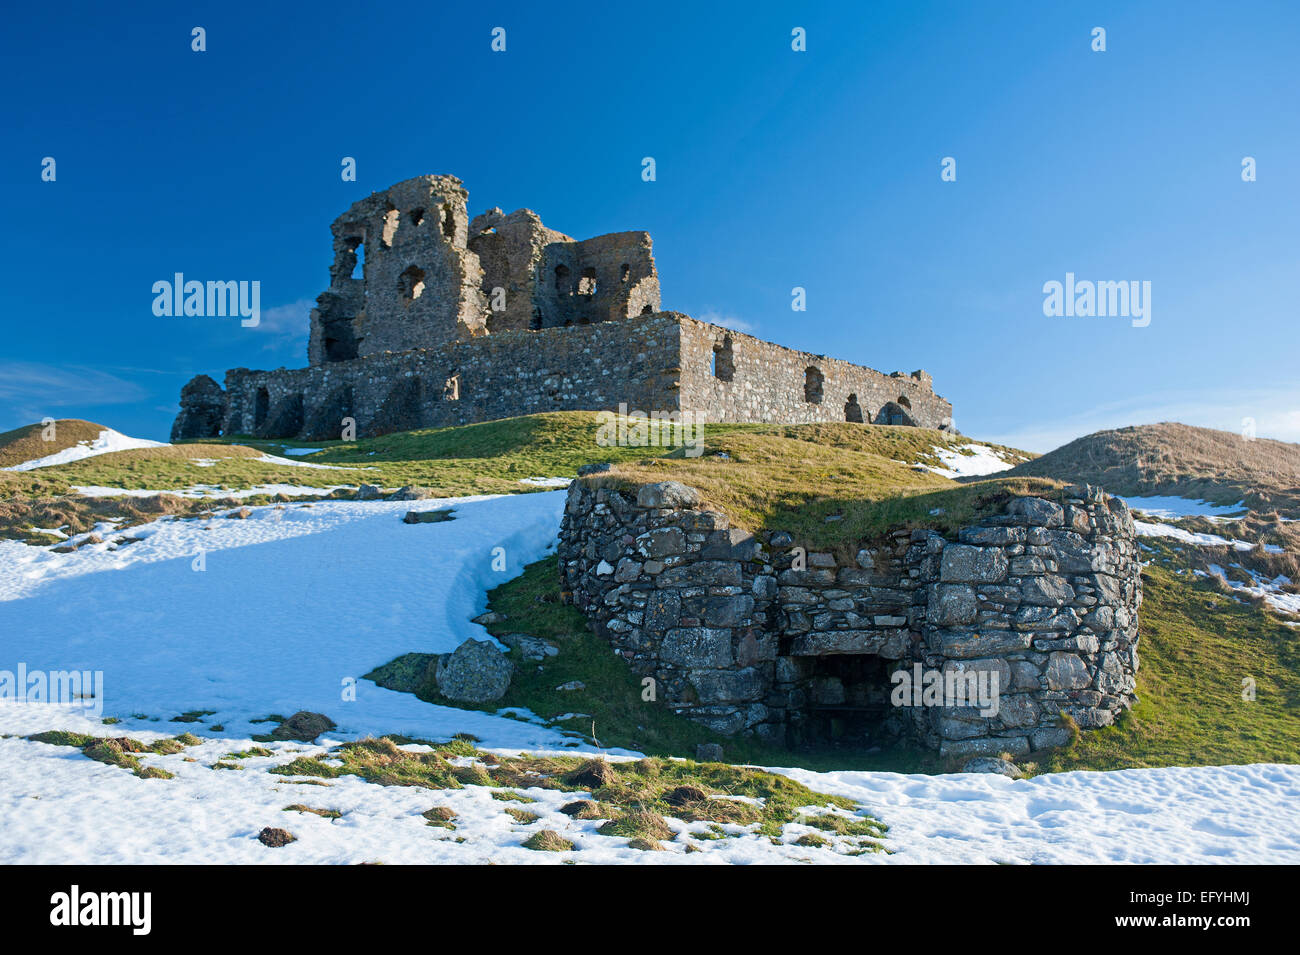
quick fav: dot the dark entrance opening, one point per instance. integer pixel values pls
(846, 703)
(261, 407)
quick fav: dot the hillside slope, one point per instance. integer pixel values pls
(1178, 459)
(28, 442)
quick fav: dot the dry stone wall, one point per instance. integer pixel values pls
(746, 636)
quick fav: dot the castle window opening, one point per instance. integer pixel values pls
(724, 364)
(587, 283)
(417, 216)
(647, 310)
(448, 222)
(535, 323)
(412, 283)
(853, 410)
(451, 388)
(903, 400)
(562, 280)
(813, 380)
(391, 220)
(358, 248)
(625, 272)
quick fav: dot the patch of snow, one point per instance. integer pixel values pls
(209, 490)
(108, 440)
(547, 481)
(56, 802)
(295, 452)
(1169, 508)
(982, 460)
(285, 462)
(1270, 590)
(1145, 529)
(290, 603)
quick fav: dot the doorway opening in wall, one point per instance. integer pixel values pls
(846, 703)
(853, 410)
(261, 408)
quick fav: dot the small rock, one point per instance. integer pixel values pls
(303, 726)
(593, 469)
(489, 618)
(992, 764)
(427, 517)
(412, 492)
(242, 514)
(275, 838)
(708, 753)
(572, 685)
(368, 492)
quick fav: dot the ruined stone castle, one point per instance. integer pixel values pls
(434, 319)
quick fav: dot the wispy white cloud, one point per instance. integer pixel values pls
(286, 326)
(1274, 412)
(735, 323)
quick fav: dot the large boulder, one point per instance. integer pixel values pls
(475, 672)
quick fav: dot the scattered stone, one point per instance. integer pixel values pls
(428, 517)
(490, 618)
(475, 672)
(992, 764)
(412, 492)
(368, 492)
(530, 647)
(572, 686)
(303, 726)
(275, 838)
(242, 514)
(708, 753)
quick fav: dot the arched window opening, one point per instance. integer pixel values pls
(724, 363)
(412, 283)
(813, 380)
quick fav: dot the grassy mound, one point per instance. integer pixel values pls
(829, 484)
(28, 443)
(1178, 459)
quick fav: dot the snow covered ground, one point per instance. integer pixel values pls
(1171, 508)
(1261, 586)
(108, 440)
(290, 602)
(295, 602)
(54, 804)
(982, 460)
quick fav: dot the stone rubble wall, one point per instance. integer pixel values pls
(768, 384)
(1046, 594)
(639, 362)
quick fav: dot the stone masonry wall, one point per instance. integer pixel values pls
(642, 362)
(496, 376)
(754, 380)
(1046, 595)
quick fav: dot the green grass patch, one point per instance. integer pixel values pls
(1197, 645)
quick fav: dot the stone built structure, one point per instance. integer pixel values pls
(1045, 595)
(454, 321)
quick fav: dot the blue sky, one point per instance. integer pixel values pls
(775, 169)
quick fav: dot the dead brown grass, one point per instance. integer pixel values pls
(1178, 459)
